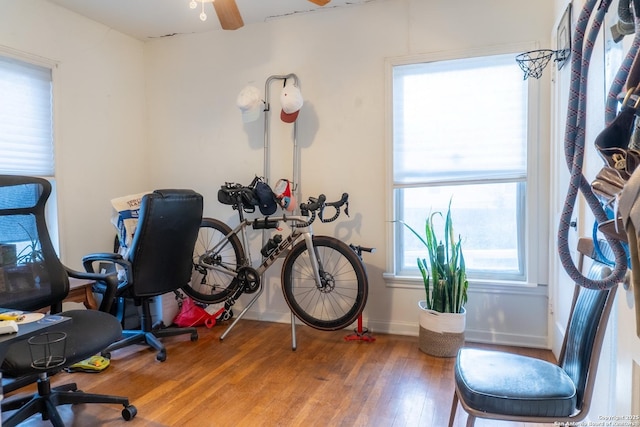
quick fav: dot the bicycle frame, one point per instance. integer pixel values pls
(245, 274)
(288, 242)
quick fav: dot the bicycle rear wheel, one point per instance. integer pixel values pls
(340, 298)
(217, 256)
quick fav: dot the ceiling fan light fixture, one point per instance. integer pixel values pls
(194, 3)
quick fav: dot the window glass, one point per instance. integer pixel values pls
(460, 135)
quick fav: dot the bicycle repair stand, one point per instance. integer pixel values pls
(360, 333)
(267, 172)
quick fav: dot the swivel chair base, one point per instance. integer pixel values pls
(150, 338)
(46, 400)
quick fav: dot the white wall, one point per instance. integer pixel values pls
(197, 138)
(132, 116)
(100, 117)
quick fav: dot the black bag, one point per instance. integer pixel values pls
(236, 194)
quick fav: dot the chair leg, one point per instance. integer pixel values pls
(71, 397)
(52, 414)
(150, 335)
(153, 341)
(471, 420)
(15, 402)
(454, 407)
(130, 337)
(32, 407)
(170, 332)
(66, 387)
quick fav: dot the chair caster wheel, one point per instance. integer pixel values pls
(194, 336)
(129, 412)
(106, 355)
(161, 356)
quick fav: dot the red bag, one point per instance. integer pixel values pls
(191, 314)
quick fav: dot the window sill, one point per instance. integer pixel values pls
(475, 285)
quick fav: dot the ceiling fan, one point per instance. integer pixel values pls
(229, 15)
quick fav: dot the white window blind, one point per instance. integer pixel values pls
(460, 134)
(26, 124)
(461, 119)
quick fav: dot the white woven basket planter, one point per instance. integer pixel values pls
(441, 334)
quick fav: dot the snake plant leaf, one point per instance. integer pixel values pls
(444, 274)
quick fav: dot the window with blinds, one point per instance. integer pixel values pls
(26, 122)
(460, 134)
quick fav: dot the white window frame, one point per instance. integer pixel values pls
(537, 246)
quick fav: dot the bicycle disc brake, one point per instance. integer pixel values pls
(328, 282)
(249, 279)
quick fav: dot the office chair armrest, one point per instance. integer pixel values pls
(108, 257)
(88, 260)
(110, 282)
(124, 280)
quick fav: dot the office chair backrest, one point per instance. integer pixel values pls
(585, 333)
(162, 246)
(31, 275)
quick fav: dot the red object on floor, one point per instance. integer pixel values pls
(360, 334)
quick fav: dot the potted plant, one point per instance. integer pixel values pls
(31, 253)
(442, 312)
(28, 266)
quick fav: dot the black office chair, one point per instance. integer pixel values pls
(158, 262)
(505, 386)
(33, 278)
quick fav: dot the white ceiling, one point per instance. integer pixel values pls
(147, 19)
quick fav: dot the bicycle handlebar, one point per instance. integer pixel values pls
(314, 204)
(318, 204)
(361, 249)
(243, 198)
(344, 199)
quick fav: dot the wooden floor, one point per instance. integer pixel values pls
(253, 378)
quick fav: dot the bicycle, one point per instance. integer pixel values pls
(323, 280)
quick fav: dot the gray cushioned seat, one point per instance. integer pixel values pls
(504, 383)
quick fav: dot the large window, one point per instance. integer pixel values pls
(461, 135)
(26, 125)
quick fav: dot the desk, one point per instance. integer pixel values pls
(80, 290)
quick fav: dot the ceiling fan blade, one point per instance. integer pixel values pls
(228, 14)
(320, 2)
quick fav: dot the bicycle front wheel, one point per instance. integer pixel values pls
(338, 300)
(217, 256)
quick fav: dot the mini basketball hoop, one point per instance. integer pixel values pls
(534, 62)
